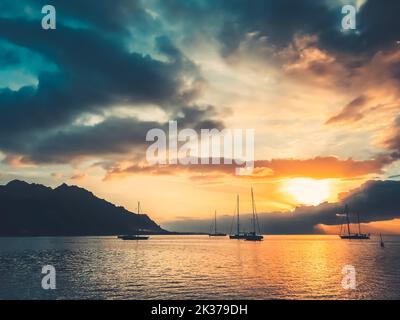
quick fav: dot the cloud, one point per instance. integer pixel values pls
(373, 201)
(8, 58)
(304, 41)
(17, 161)
(116, 16)
(56, 175)
(78, 177)
(95, 71)
(317, 168)
(113, 16)
(391, 139)
(279, 21)
(325, 167)
(100, 74)
(132, 53)
(351, 112)
(113, 136)
(274, 20)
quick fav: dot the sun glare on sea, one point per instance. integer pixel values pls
(308, 191)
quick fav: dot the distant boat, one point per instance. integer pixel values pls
(216, 234)
(134, 236)
(349, 235)
(238, 235)
(253, 236)
(382, 243)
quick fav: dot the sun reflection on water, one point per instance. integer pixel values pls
(199, 267)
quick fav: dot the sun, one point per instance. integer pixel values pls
(308, 191)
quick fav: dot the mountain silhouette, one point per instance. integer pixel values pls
(36, 210)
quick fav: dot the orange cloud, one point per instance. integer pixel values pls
(78, 177)
(325, 167)
(18, 161)
(317, 168)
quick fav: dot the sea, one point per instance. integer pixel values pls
(200, 267)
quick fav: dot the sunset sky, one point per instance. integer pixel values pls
(76, 102)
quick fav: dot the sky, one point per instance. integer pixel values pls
(77, 102)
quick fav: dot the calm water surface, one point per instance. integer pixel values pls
(199, 267)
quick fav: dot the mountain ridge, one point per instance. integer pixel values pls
(37, 210)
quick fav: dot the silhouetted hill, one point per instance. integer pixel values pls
(35, 210)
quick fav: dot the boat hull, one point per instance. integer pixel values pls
(133, 237)
(355, 237)
(237, 236)
(217, 235)
(254, 237)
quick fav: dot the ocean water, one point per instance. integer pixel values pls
(199, 267)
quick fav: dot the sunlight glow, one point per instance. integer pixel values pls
(308, 191)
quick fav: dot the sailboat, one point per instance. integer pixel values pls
(253, 236)
(133, 236)
(382, 243)
(238, 235)
(349, 235)
(216, 234)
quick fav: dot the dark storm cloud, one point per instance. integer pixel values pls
(277, 20)
(109, 16)
(373, 201)
(113, 136)
(378, 25)
(199, 118)
(8, 58)
(94, 72)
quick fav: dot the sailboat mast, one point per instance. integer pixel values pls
(237, 208)
(138, 207)
(347, 218)
(215, 225)
(359, 225)
(254, 212)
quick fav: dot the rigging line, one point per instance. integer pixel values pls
(258, 224)
(341, 224)
(233, 219)
(211, 226)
